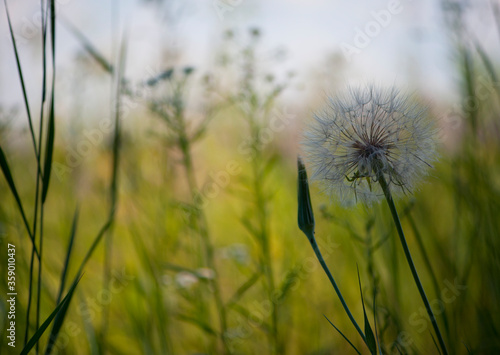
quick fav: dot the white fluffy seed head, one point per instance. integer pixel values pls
(367, 132)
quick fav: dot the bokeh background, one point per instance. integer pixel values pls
(197, 246)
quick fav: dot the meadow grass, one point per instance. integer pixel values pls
(197, 187)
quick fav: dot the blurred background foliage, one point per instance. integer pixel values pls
(204, 254)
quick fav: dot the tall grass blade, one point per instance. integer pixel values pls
(21, 79)
(343, 336)
(35, 338)
(12, 186)
(435, 343)
(49, 147)
(68, 254)
(91, 50)
(370, 338)
(375, 322)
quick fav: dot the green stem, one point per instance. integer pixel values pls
(427, 262)
(260, 200)
(315, 247)
(202, 229)
(395, 216)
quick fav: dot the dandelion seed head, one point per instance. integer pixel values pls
(367, 132)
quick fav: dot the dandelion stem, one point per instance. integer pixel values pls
(395, 217)
(315, 247)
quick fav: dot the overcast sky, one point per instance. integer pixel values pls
(403, 42)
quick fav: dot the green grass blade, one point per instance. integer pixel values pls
(288, 282)
(370, 338)
(96, 241)
(466, 347)
(49, 151)
(49, 147)
(21, 79)
(468, 74)
(435, 343)
(343, 336)
(12, 186)
(56, 328)
(88, 47)
(375, 322)
(244, 288)
(68, 254)
(486, 61)
(199, 323)
(35, 338)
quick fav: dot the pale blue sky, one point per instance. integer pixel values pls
(410, 48)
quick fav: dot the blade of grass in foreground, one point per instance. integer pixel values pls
(68, 254)
(375, 323)
(60, 316)
(404, 244)
(108, 243)
(21, 79)
(35, 338)
(343, 336)
(49, 144)
(12, 186)
(111, 215)
(370, 338)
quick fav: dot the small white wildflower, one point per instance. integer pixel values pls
(185, 279)
(365, 133)
(205, 273)
(237, 252)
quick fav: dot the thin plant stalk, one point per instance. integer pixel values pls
(38, 152)
(427, 262)
(208, 247)
(404, 244)
(42, 105)
(315, 247)
(307, 225)
(268, 270)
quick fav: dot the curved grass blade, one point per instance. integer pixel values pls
(34, 339)
(10, 181)
(338, 330)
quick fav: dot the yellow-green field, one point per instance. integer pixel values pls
(177, 213)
